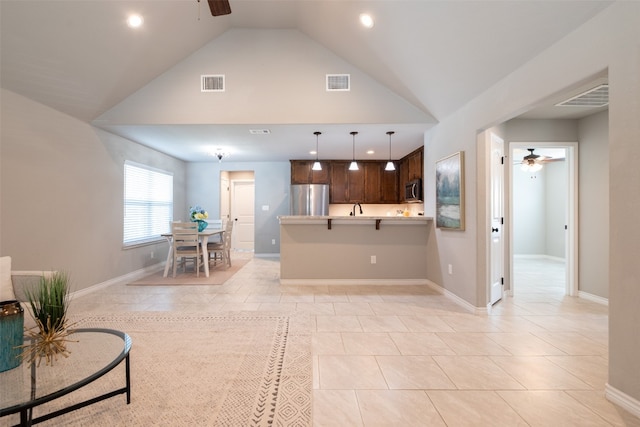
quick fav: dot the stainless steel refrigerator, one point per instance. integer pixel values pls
(309, 199)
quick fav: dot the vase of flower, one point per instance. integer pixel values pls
(198, 214)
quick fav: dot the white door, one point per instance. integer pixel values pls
(242, 210)
(497, 219)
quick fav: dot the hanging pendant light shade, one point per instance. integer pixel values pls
(316, 165)
(390, 166)
(354, 165)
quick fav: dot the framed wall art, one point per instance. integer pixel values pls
(450, 192)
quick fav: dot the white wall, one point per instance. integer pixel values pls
(529, 212)
(593, 205)
(272, 183)
(611, 40)
(62, 184)
(556, 204)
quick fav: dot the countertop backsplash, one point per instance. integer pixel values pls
(377, 209)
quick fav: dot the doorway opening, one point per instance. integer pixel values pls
(543, 226)
(237, 203)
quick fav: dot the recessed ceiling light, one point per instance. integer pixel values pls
(370, 152)
(135, 21)
(366, 20)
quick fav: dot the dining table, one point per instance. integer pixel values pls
(203, 236)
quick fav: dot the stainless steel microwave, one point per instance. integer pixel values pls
(413, 191)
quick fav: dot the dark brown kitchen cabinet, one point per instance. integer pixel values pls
(301, 172)
(346, 186)
(339, 189)
(415, 164)
(357, 185)
(370, 184)
(410, 167)
(380, 185)
(388, 186)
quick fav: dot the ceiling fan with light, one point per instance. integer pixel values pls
(534, 162)
(219, 7)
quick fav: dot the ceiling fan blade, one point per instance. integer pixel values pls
(219, 7)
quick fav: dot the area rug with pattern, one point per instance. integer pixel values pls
(218, 369)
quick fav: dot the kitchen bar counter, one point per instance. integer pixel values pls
(346, 219)
(353, 250)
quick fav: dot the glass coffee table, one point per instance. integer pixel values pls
(93, 353)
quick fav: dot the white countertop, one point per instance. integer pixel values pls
(358, 219)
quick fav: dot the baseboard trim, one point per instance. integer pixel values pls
(480, 311)
(593, 298)
(539, 256)
(267, 255)
(127, 278)
(623, 400)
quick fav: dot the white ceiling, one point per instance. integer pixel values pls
(80, 58)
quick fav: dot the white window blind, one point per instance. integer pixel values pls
(148, 203)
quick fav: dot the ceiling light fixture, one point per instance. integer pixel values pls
(316, 165)
(220, 154)
(390, 166)
(531, 162)
(354, 165)
(135, 21)
(366, 20)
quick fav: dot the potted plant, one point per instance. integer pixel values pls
(49, 303)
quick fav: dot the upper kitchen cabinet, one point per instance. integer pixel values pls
(410, 167)
(339, 189)
(369, 184)
(301, 172)
(380, 185)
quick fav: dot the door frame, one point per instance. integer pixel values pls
(500, 228)
(571, 239)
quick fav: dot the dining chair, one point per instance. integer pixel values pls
(186, 244)
(216, 224)
(222, 248)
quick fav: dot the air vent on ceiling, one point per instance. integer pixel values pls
(596, 97)
(338, 82)
(259, 131)
(212, 83)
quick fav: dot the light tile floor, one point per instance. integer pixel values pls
(407, 356)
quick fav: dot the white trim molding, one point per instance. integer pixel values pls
(623, 400)
(593, 298)
(121, 280)
(480, 311)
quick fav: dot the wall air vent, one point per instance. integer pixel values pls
(212, 83)
(338, 82)
(596, 97)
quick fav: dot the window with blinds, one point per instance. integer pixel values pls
(148, 203)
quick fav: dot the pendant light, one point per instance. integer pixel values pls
(316, 165)
(354, 165)
(390, 166)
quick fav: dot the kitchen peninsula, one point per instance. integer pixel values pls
(384, 250)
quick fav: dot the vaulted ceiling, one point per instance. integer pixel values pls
(79, 57)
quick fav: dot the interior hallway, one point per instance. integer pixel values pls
(404, 355)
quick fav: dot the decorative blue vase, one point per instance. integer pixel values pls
(11, 334)
(201, 225)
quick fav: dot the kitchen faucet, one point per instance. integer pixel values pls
(353, 213)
